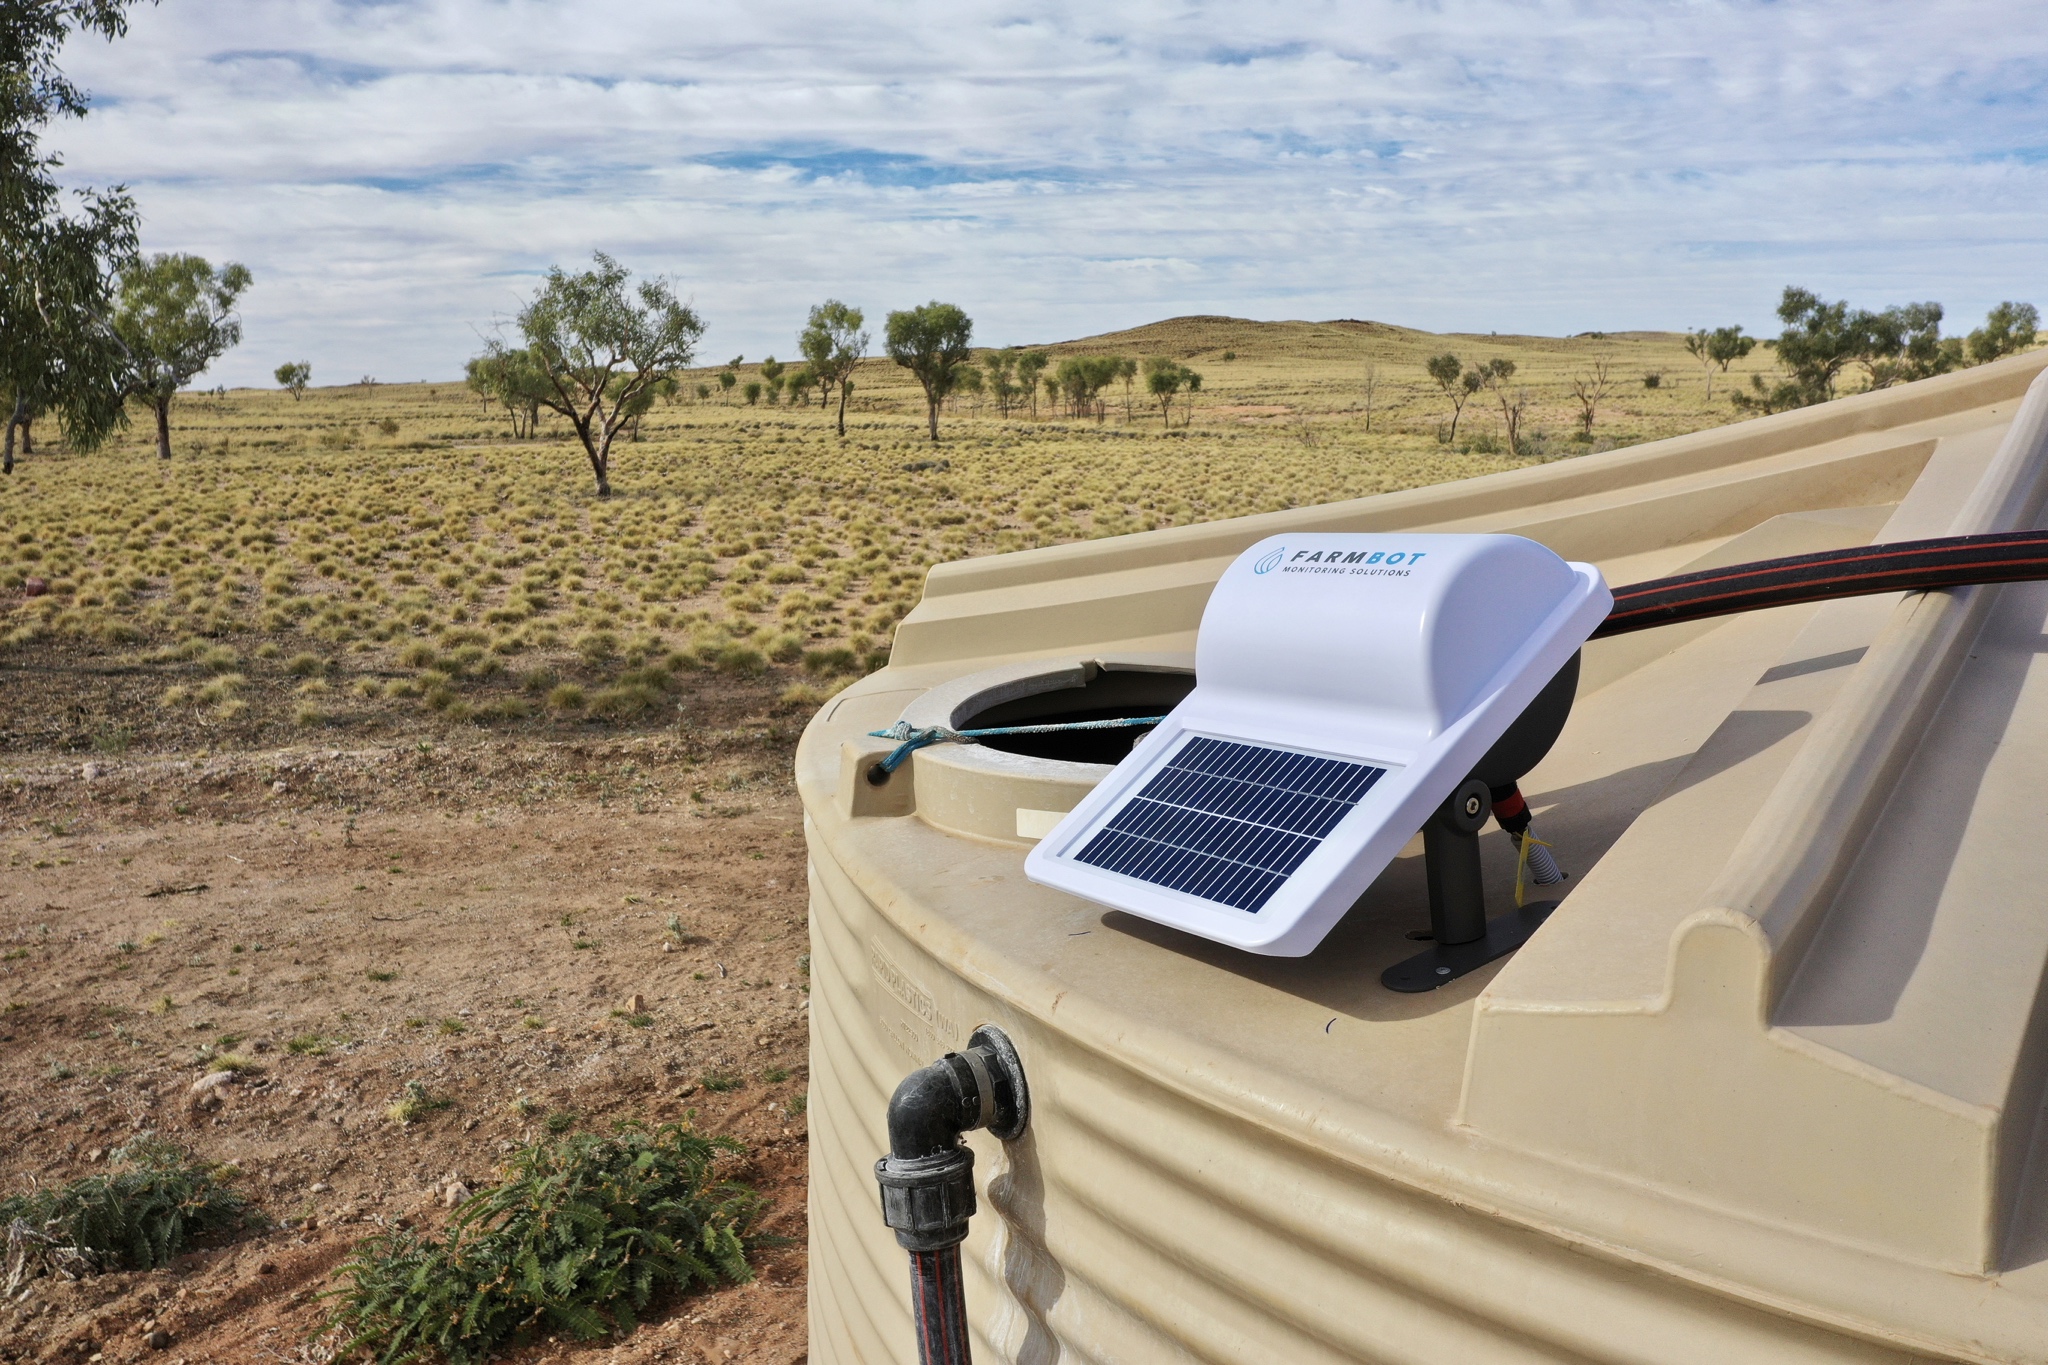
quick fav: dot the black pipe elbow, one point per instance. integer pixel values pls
(933, 1107)
(927, 1179)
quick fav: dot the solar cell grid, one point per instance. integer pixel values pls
(1229, 822)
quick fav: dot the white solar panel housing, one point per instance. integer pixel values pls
(1344, 685)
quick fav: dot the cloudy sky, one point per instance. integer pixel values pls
(397, 173)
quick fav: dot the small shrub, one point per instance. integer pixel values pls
(305, 665)
(309, 714)
(577, 1242)
(719, 1084)
(307, 1045)
(136, 1218)
(566, 697)
(415, 1104)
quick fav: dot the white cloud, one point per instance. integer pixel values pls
(397, 173)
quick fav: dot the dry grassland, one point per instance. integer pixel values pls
(385, 558)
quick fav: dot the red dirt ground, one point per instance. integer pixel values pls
(469, 913)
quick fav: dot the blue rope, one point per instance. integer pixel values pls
(910, 739)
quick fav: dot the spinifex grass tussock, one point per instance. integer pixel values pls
(579, 1239)
(156, 1203)
(430, 578)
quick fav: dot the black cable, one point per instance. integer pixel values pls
(1901, 566)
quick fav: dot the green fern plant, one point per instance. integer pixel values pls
(139, 1216)
(578, 1240)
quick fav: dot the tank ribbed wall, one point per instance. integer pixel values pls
(1135, 1224)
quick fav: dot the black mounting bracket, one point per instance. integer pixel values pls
(1465, 939)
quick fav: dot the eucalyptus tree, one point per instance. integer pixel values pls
(932, 343)
(1164, 380)
(1030, 365)
(1458, 384)
(510, 377)
(833, 342)
(2008, 328)
(1718, 347)
(175, 316)
(58, 352)
(293, 376)
(601, 342)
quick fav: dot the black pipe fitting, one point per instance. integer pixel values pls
(927, 1179)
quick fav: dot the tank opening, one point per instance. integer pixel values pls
(1112, 694)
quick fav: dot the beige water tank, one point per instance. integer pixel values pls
(1767, 1086)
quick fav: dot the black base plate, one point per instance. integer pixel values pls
(1438, 963)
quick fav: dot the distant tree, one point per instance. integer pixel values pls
(752, 391)
(1000, 369)
(799, 383)
(58, 269)
(1030, 365)
(1127, 370)
(930, 342)
(512, 378)
(833, 342)
(2008, 328)
(1164, 379)
(1719, 348)
(1458, 384)
(1589, 388)
(1514, 402)
(602, 344)
(771, 378)
(295, 375)
(726, 379)
(1369, 384)
(1820, 340)
(175, 315)
(703, 393)
(641, 403)
(1904, 343)
(1083, 378)
(970, 380)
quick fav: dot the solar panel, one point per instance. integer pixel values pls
(1346, 683)
(1229, 822)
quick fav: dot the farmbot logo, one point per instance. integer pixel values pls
(1271, 561)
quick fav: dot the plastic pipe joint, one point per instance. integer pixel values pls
(927, 1179)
